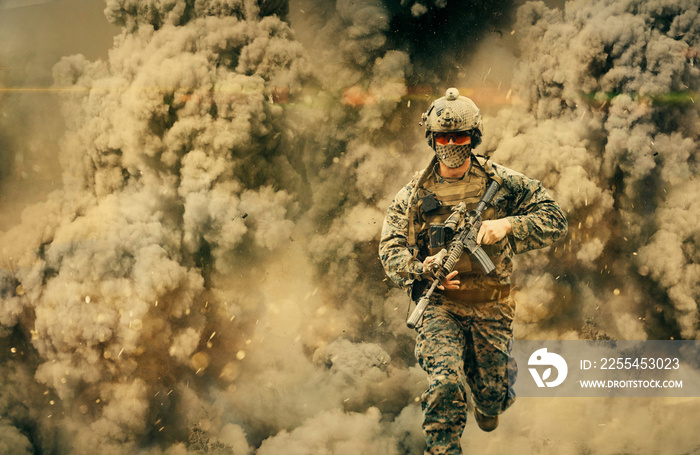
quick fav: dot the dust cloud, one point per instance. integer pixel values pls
(204, 279)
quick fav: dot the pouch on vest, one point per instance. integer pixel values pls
(429, 203)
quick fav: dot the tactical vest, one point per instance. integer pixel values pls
(433, 203)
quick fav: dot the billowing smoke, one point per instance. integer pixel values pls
(608, 121)
(206, 280)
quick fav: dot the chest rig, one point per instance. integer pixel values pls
(434, 199)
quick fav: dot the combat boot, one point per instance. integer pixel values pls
(486, 423)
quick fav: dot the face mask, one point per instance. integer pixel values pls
(452, 155)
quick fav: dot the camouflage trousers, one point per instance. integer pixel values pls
(460, 346)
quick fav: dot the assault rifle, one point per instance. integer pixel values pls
(466, 226)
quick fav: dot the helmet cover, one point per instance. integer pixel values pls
(453, 113)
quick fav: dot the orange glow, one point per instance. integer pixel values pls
(356, 96)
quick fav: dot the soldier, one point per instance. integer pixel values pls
(466, 332)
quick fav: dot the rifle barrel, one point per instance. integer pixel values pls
(418, 311)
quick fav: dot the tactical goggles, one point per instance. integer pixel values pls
(458, 138)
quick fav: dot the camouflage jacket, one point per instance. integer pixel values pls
(537, 221)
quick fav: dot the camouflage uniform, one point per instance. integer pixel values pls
(465, 336)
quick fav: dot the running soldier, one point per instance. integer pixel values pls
(466, 331)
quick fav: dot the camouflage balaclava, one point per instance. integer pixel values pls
(453, 155)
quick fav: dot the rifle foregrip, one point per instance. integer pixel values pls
(455, 254)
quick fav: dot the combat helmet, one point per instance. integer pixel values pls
(453, 114)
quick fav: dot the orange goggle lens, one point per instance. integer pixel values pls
(457, 138)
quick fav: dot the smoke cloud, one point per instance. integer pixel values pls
(205, 280)
(609, 122)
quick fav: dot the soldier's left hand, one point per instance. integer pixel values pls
(449, 282)
(492, 231)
